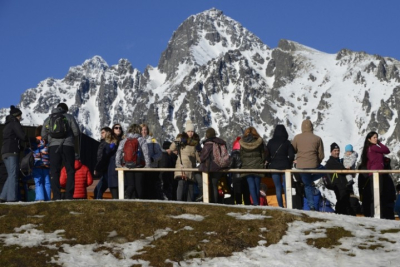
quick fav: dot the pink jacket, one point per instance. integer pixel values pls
(375, 156)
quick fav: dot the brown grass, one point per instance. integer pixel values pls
(88, 222)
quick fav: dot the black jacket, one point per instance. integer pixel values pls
(338, 183)
(236, 163)
(13, 134)
(281, 152)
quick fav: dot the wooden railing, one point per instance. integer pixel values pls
(288, 180)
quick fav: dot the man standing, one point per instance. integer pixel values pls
(60, 129)
(309, 150)
(338, 182)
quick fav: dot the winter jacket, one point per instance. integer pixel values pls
(104, 152)
(155, 152)
(40, 153)
(188, 154)
(13, 134)
(83, 178)
(308, 147)
(142, 146)
(207, 163)
(281, 151)
(252, 154)
(338, 183)
(73, 130)
(375, 156)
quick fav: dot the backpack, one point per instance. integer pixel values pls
(133, 157)
(58, 126)
(221, 155)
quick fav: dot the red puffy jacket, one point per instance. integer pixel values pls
(83, 178)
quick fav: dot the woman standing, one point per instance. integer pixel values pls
(281, 156)
(186, 145)
(252, 154)
(372, 158)
(13, 134)
(112, 173)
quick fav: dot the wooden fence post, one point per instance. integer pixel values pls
(377, 202)
(206, 197)
(288, 193)
(121, 184)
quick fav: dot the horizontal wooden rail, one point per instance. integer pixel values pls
(288, 180)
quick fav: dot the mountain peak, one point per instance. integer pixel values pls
(203, 37)
(96, 62)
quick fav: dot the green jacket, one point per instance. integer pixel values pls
(252, 155)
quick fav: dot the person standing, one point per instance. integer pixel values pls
(111, 172)
(281, 156)
(207, 161)
(241, 193)
(252, 155)
(309, 150)
(101, 167)
(186, 147)
(13, 135)
(372, 158)
(41, 168)
(133, 180)
(151, 182)
(338, 182)
(61, 148)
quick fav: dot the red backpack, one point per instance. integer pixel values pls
(133, 157)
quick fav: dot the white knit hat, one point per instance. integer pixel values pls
(189, 126)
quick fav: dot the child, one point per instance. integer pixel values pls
(349, 162)
(83, 178)
(397, 205)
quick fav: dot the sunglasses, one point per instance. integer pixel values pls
(117, 127)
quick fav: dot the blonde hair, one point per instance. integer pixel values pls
(110, 138)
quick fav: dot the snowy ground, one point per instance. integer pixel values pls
(292, 250)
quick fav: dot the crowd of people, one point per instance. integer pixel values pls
(53, 147)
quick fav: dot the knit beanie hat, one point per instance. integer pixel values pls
(348, 148)
(334, 146)
(63, 106)
(210, 133)
(189, 126)
(236, 144)
(15, 111)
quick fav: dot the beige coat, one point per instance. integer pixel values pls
(308, 147)
(189, 157)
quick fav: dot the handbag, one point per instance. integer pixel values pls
(269, 163)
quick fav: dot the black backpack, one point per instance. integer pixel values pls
(58, 126)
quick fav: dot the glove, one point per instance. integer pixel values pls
(198, 147)
(184, 141)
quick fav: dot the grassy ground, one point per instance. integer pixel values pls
(89, 222)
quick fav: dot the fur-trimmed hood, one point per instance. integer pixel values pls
(253, 144)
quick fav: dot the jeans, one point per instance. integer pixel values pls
(10, 189)
(279, 181)
(254, 188)
(308, 179)
(41, 176)
(101, 186)
(185, 190)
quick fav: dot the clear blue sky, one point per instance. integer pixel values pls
(43, 38)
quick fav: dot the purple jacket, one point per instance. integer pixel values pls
(375, 156)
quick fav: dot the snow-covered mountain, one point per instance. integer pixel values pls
(218, 74)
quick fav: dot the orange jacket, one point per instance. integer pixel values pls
(83, 178)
